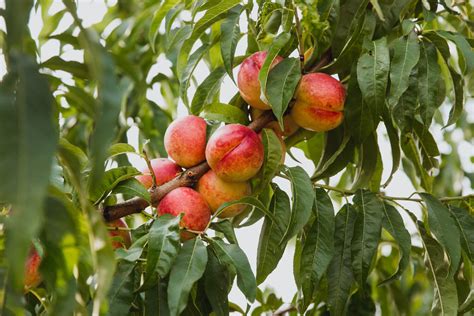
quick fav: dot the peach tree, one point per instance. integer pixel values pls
(303, 118)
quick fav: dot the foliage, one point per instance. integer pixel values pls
(408, 67)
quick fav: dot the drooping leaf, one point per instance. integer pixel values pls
(75, 68)
(110, 180)
(466, 54)
(122, 290)
(405, 109)
(230, 25)
(225, 227)
(158, 16)
(465, 222)
(272, 158)
(216, 284)
(120, 148)
(189, 268)
(370, 212)
(394, 145)
(223, 112)
(207, 90)
(187, 73)
(457, 109)
(132, 187)
(248, 200)
(368, 152)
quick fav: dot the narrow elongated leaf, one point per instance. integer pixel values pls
(443, 226)
(393, 223)
(233, 256)
(223, 112)
(187, 73)
(122, 290)
(163, 247)
(465, 222)
(110, 180)
(368, 162)
(120, 148)
(405, 110)
(340, 277)
(406, 55)
(370, 212)
(282, 82)
(190, 266)
(429, 75)
(302, 201)
(466, 54)
(411, 152)
(229, 43)
(159, 15)
(75, 68)
(428, 147)
(156, 300)
(272, 158)
(457, 109)
(216, 284)
(207, 90)
(248, 200)
(318, 249)
(225, 227)
(133, 187)
(394, 145)
(270, 250)
(372, 75)
(445, 294)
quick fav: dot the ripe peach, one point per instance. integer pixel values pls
(32, 274)
(290, 126)
(185, 200)
(247, 79)
(185, 140)
(235, 153)
(120, 238)
(217, 192)
(319, 102)
(164, 170)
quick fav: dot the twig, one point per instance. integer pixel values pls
(290, 308)
(150, 168)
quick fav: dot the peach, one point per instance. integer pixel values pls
(289, 125)
(197, 213)
(235, 153)
(217, 192)
(32, 274)
(185, 140)
(247, 79)
(120, 238)
(319, 102)
(164, 170)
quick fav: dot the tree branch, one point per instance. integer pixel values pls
(185, 179)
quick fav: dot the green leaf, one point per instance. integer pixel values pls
(230, 25)
(465, 222)
(372, 75)
(80, 99)
(248, 200)
(428, 147)
(75, 68)
(318, 248)
(110, 180)
(189, 267)
(368, 152)
(429, 76)
(272, 159)
(217, 281)
(156, 21)
(270, 250)
(340, 276)
(156, 300)
(278, 43)
(405, 58)
(207, 90)
(120, 148)
(28, 139)
(163, 247)
(226, 113)
(133, 187)
(443, 226)
(370, 212)
(233, 256)
(466, 54)
(394, 145)
(302, 201)
(227, 229)
(405, 109)
(121, 292)
(187, 73)
(393, 223)
(282, 82)
(445, 300)
(457, 109)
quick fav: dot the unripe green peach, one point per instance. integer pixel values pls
(185, 140)
(217, 192)
(120, 238)
(235, 153)
(247, 79)
(319, 102)
(164, 170)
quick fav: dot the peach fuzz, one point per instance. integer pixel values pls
(235, 153)
(185, 140)
(319, 102)
(164, 170)
(197, 213)
(120, 238)
(217, 192)
(32, 274)
(247, 79)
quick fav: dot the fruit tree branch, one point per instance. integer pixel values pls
(185, 179)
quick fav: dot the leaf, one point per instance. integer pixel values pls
(457, 109)
(405, 109)
(465, 222)
(370, 212)
(233, 256)
(225, 227)
(428, 82)
(339, 273)
(216, 284)
(270, 250)
(110, 180)
(156, 300)
(163, 247)
(278, 43)
(405, 57)
(318, 248)
(80, 99)
(394, 145)
(75, 68)
(248, 200)
(187, 72)
(272, 159)
(120, 148)
(443, 226)
(428, 147)
(26, 126)
(156, 21)
(302, 201)
(367, 165)
(133, 187)
(207, 90)
(189, 267)
(445, 300)
(466, 54)
(230, 25)
(226, 113)
(372, 75)
(393, 223)
(282, 82)
(121, 292)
